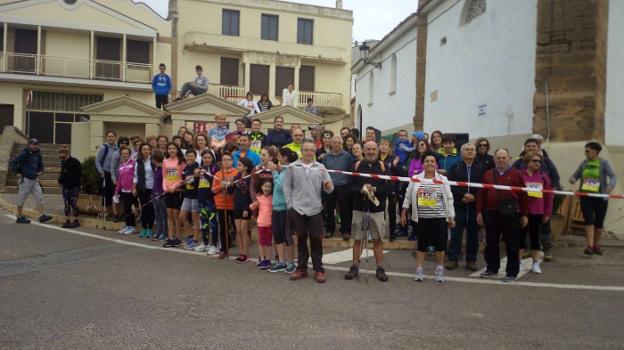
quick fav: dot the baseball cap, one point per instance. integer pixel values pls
(33, 142)
(419, 135)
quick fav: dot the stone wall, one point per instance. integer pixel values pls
(10, 136)
(571, 46)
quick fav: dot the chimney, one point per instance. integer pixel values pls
(339, 4)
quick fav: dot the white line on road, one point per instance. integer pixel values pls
(526, 267)
(338, 268)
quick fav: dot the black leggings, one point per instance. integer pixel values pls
(127, 199)
(147, 212)
(533, 230)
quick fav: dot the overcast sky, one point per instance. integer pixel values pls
(371, 21)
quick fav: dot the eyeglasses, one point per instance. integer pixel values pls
(536, 160)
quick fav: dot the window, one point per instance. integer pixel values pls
(393, 75)
(306, 78)
(472, 9)
(305, 31)
(230, 22)
(138, 51)
(270, 25)
(371, 88)
(283, 76)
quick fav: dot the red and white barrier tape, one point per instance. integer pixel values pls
(477, 185)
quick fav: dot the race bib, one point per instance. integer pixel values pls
(204, 183)
(534, 189)
(427, 197)
(256, 145)
(590, 185)
(172, 174)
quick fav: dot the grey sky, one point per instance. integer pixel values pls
(372, 18)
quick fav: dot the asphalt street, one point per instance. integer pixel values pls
(69, 290)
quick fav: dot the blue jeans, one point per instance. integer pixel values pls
(160, 215)
(464, 221)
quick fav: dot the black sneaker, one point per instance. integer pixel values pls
(487, 274)
(168, 243)
(508, 279)
(176, 243)
(22, 220)
(44, 218)
(381, 274)
(75, 224)
(353, 273)
(66, 224)
(115, 218)
(346, 236)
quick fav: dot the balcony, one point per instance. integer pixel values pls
(71, 67)
(228, 92)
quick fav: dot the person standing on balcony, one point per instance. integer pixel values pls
(278, 137)
(29, 165)
(290, 96)
(161, 85)
(249, 103)
(264, 103)
(197, 87)
(311, 108)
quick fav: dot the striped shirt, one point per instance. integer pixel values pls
(430, 202)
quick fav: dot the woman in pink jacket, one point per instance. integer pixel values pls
(540, 205)
(124, 189)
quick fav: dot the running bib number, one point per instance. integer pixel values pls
(256, 145)
(534, 190)
(590, 185)
(427, 197)
(172, 174)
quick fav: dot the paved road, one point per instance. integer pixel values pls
(61, 290)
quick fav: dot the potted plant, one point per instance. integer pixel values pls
(89, 200)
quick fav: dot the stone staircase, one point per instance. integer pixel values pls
(51, 164)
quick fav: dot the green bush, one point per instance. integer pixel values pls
(91, 180)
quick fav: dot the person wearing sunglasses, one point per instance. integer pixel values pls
(540, 205)
(483, 157)
(597, 176)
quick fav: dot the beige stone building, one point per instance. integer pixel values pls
(72, 69)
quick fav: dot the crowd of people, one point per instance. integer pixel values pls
(204, 191)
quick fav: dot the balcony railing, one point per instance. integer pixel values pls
(227, 92)
(322, 99)
(72, 67)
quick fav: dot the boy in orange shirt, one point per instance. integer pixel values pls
(224, 201)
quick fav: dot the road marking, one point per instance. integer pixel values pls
(346, 255)
(527, 264)
(344, 269)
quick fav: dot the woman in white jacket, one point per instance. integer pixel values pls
(290, 97)
(433, 212)
(250, 104)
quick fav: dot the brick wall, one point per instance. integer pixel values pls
(571, 58)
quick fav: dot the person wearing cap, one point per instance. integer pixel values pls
(69, 179)
(29, 165)
(315, 134)
(311, 108)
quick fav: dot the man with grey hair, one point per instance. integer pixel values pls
(465, 170)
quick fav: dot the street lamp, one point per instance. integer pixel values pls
(364, 51)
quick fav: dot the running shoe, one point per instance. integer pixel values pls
(129, 230)
(212, 250)
(508, 279)
(439, 274)
(188, 240)
(239, 259)
(123, 229)
(200, 247)
(168, 243)
(245, 259)
(589, 251)
(536, 268)
(44, 218)
(420, 275)
(191, 246)
(176, 243)
(22, 220)
(598, 250)
(162, 237)
(142, 233)
(149, 233)
(290, 267)
(278, 267)
(487, 274)
(75, 224)
(66, 224)
(265, 264)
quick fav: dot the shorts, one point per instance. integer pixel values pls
(376, 225)
(264, 236)
(190, 204)
(238, 214)
(173, 200)
(278, 220)
(26, 187)
(432, 232)
(594, 211)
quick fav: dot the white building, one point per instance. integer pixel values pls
(614, 120)
(385, 94)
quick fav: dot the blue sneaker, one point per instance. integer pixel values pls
(188, 240)
(191, 246)
(148, 233)
(290, 267)
(278, 267)
(264, 264)
(142, 233)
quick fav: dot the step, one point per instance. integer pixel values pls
(46, 176)
(44, 183)
(46, 190)
(43, 146)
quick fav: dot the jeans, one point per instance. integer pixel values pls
(160, 215)
(309, 227)
(495, 226)
(341, 196)
(194, 90)
(464, 220)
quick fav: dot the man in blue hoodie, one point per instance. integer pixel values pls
(29, 166)
(161, 84)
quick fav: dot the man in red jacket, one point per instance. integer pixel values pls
(499, 221)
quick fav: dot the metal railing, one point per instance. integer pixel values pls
(107, 70)
(138, 72)
(322, 99)
(227, 92)
(24, 63)
(65, 66)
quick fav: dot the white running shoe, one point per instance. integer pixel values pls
(200, 248)
(123, 229)
(536, 268)
(420, 275)
(129, 230)
(212, 250)
(439, 274)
